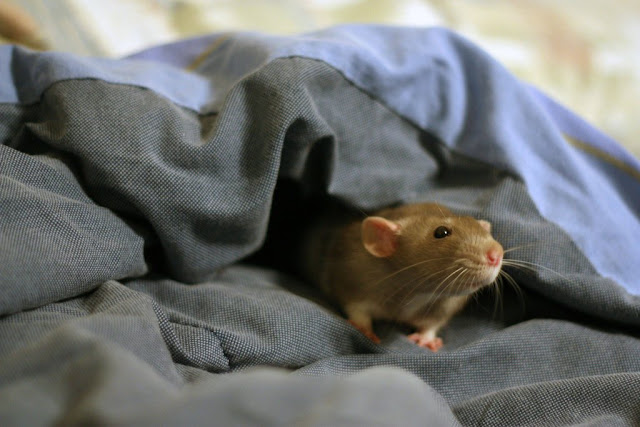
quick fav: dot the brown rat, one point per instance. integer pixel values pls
(417, 264)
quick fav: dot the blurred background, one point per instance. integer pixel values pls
(584, 53)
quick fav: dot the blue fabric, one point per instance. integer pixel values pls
(448, 86)
(434, 78)
(133, 191)
(29, 74)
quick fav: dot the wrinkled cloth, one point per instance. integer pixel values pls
(134, 191)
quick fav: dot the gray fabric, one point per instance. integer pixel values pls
(125, 222)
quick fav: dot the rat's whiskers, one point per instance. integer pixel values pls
(421, 279)
(443, 286)
(526, 265)
(520, 247)
(409, 267)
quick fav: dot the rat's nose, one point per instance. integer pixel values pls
(494, 257)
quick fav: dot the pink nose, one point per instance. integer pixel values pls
(494, 257)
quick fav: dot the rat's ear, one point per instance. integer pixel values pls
(380, 236)
(485, 224)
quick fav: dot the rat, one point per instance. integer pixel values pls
(416, 264)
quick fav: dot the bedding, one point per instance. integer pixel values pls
(134, 192)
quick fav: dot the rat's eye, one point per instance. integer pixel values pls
(441, 232)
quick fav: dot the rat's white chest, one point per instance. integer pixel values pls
(417, 305)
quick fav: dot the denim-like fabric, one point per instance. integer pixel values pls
(132, 193)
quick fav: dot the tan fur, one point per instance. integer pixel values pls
(409, 286)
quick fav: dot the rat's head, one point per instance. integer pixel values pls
(442, 252)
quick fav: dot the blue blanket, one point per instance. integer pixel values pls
(133, 191)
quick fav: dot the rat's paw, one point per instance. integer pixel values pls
(367, 332)
(432, 343)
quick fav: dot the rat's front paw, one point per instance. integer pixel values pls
(426, 340)
(367, 332)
